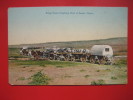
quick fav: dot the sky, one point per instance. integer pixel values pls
(54, 24)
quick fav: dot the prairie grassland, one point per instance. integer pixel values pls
(66, 73)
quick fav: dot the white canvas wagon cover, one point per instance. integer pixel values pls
(102, 50)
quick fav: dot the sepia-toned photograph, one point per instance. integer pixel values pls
(67, 45)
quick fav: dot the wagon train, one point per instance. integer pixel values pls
(100, 54)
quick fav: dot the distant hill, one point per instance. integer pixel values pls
(78, 44)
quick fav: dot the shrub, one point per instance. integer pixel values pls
(39, 79)
(59, 66)
(108, 69)
(82, 70)
(98, 82)
(121, 62)
(21, 78)
(42, 65)
(113, 78)
(86, 76)
(98, 70)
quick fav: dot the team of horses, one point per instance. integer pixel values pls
(65, 54)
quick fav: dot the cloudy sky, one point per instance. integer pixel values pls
(52, 24)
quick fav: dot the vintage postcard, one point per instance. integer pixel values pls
(67, 45)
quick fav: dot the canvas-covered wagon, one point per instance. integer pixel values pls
(101, 54)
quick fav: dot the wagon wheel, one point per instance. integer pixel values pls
(58, 59)
(81, 59)
(102, 61)
(67, 59)
(97, 61)
(73, 59)
(109, 62)
(70, 59)
(92, 61)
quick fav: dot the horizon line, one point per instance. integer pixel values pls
(66, 41)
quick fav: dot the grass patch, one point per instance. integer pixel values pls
(86, 76)
(122, 76)
(121, 62)
(82, 70)
(59, 66)
(14, 53)
(45, 63)
(113, 78)
(39, 79)
(97, 70)
(21, 78)
(17, 56)
(98, 82)
(108, 69)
